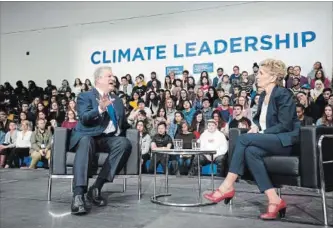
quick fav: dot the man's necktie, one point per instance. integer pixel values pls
(113, 116)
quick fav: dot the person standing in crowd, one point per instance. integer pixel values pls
(235, 78)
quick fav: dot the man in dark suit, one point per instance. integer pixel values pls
(102, 126)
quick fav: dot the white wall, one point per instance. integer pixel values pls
(64, 50)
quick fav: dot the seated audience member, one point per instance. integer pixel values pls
(245, 82)
(174, 126)
(317, 90)
(141, 107)
(239, 118)
(218, 101)
(22, 147)
(180, 101)
(221, 125)
(211, 139)
(141, 115)
(235, 78)
(311, 109)
(188, 112)
(330, 100)
(212, 95)
(296, 86)
(316, 66)
(320, 76)
(225, 110)
(204, 84)
(244, 102)
(254, 105)
(25, 108)
(168, 84)
(197, 104)
(206, 109)
(40, 144)
(225, 84)
(71, 121)
(72, 106)
(322, 100)
(160, 117)
(234, 96)
(177, 87)
(152, 103)
(327, 119)
(8, 144)
(160, 141)
(186, 136)
(219, 77)
(140, 88)
(4, 120)
(134, 100)
(145, 141)
(305, 120)
(125, 86)
(24, 116)
(56, 114)
(198, 124)
(297, 74)
(170, 110)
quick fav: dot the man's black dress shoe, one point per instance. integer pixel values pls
(94, 195)
(79, 206)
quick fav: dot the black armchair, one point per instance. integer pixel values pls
(62, 160)
(305, 167)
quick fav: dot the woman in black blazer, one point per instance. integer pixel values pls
(274, 132)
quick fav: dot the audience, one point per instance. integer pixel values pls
(181, 107)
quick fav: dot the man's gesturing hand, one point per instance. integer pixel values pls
(104, 102)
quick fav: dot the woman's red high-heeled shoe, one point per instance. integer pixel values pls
(224, 196)
(280, 209)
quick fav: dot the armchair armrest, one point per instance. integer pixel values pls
(233, 135)
(59, 150)
(134, 161)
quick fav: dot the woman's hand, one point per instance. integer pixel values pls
(254, 129)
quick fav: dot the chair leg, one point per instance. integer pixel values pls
(124, 184)
(139, 186)
(72, 185)
(49, 188)
(322, 178)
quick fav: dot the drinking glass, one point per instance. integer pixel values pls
(178, 144)
(194, 144)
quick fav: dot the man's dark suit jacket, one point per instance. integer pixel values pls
(91, 123)
(281, 116)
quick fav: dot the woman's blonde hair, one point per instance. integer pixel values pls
(276, 68)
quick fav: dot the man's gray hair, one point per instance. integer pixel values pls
(98, 72)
